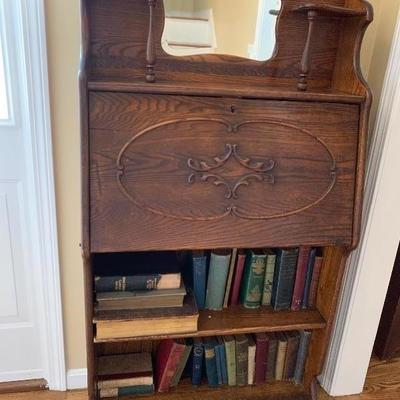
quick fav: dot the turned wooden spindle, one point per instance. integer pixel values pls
(306, 59)
(151, 47)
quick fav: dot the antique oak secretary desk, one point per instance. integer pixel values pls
(216, 151)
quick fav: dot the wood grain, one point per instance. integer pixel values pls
(33, 385)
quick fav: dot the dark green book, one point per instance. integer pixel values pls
(269, 277)
(126, 391)
(242, 359)
(253, 279)
(284, 278)
(217, 276)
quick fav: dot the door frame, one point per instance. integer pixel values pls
(31, 33)
(370, 266)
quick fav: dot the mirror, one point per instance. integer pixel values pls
(243, 28)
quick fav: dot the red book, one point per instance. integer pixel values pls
(312, 298)
(261, 340)
(300, 281)
(237, 281)
(169, 355)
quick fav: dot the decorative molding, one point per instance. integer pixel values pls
(354, 332)
(77, 379)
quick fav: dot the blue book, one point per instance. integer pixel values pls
(218, 361)
(222, 355)
(197, 361)
(199, 273)
(310, 269)
(210, 361)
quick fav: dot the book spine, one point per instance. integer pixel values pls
(310, 268)
(253, 280)
(182, 365)
(211, 364)
(217, 275)
(271, 358)
(230, 277)
(199, 280)
(314, 282)
(291, 356)
(300, 280)
(197, 363)
(261, 358)
(126, 283)
(305, 338)
(282, 291)
(242, 354)
(237, 282)
(230, 352)
(128, 391)
(251, 364)
(224, 370)
(280, 359)
(269, 279)
(218, 362)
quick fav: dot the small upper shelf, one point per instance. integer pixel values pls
(330, 11)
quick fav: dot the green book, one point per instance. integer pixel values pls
(217, 276)
(230, 350)
(182, 363)
(253, 279)
(269, 277)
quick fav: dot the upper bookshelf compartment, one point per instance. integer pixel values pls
(171, 172)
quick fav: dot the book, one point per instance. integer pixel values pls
(182, 362)
(210, 361)
(126, 391)
(169, 355)
(218, 361)
(199, 276)
(300, 280)
(312, 298)
(285, 272)
(237, 280)
(310, 269)
(137, 282)
(230, 277)
(261, 358)
(251, 358)
(141, 299)
(156, 321)
(293, 341)
(269, 277)
(253, 279)
(222, 360)
(242, 353)
(305, 339)
(271, 357)
(230, 352)
(217, 276)
(197, 361)
(281, 355)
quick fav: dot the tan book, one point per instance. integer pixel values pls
(251, 369)
(281, 355)
(151, 322)
(141, 299)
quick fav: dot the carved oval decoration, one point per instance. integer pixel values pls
(207, 169)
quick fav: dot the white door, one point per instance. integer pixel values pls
(21, 355)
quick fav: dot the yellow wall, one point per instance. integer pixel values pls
(63, 48)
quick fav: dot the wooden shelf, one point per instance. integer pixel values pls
(264, 91)
(235, 320)
(330, 11)
(274, 390)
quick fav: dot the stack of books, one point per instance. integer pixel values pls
(141, 305)
(281, 278)
(240, 360)
(123, 375)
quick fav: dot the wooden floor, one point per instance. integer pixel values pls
(383, 383)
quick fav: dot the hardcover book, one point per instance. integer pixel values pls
(271, 357)
(251, 365)
(199, 274)
(222, 360)
(137, 282)
(305, 338)
(310, 269)
(285, 272)
(182, 362)
(217, 276)
(291, 355)
(230, 351)
(281, 355)
(237, 280)
(230, 277)
(218, 361)
(242, 354)
(169, 356)
(261, 340)
(300, 280)
(314, 282)
(210, 361)
(197, 361)
(269, 277)
(253, 279)
(126, 391)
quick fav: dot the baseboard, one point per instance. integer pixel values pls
(77, 379)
